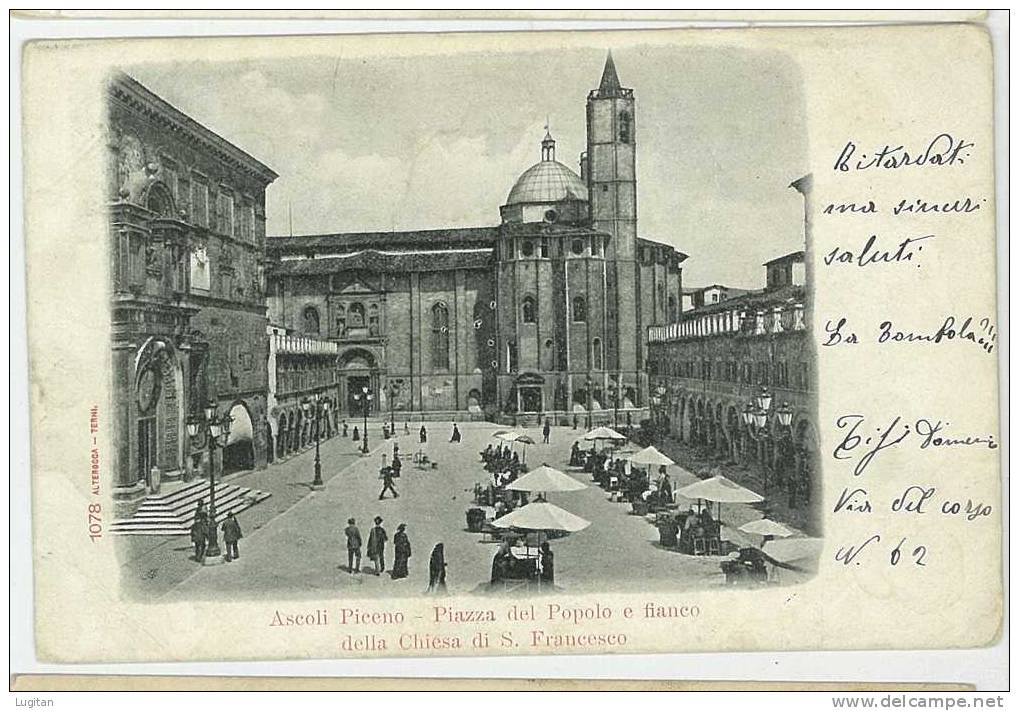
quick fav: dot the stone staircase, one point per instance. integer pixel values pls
(173, 513)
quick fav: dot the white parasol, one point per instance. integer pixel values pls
(545, 479)
(651, 456)
(542, 516)
(603, 433)
(767, 527)
(798, 552)
(721, 490)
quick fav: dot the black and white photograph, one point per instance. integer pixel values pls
(520, 322)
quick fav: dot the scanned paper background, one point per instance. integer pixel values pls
(872, 86)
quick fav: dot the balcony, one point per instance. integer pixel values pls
(283, 344)
(732, 322)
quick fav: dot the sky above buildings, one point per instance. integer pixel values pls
(364, 144)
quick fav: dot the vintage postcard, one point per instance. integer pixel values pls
(510, 344)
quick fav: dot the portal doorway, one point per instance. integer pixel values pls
(530, 399)
(355, 387)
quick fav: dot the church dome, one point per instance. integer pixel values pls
(547, 181)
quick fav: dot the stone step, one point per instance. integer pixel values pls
(156, 517)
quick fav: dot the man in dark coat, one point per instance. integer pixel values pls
(397, 466)
(387, 483)
(353, 546)
(200, 534)
(376, 550)
(231, 534)
(546, 431)
(423, 435)
(455, 437)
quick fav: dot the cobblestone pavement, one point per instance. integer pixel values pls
(301, 551)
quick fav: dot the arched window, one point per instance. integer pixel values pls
(311, 322)
(625, 128)
(579, 308)
(527, 248)
(597, 354)
(529, 310)
(440, 337)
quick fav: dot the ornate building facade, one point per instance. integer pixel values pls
(546, 312)
(187, 230)
(737, 378)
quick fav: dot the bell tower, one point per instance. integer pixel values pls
(612, 188)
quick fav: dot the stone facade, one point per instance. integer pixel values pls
(545, 313)
(710, 369)
(187, 230)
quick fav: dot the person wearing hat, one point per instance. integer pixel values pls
(376, 550)
(353, 546)
(401, 551)
(231, 534)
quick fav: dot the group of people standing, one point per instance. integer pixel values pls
(376, 552)
(203, 530)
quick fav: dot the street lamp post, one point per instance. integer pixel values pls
(391, 394)
(319, 407)
(217, 431)
(658, 401)
(614, 394)
(364, 398)
(590, 401)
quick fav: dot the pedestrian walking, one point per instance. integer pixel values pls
(386, 473)
(437, 570)
(574, 420)
(423, 435)
(356, 435)
(401, 552)
(376, 550)
(344, 428)
(406, 427)
(353, 546)
(397, 466)
(231, 534)
(455, 437)
(199, 534)
(546, 431)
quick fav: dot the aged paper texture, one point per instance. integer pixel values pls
(523, 343)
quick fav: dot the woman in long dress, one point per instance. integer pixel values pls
(437, 570)
(401, 550)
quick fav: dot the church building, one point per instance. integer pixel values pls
(546, 312)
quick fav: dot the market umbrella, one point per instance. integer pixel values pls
(799, 553)
(720, 490)
(499, 433)
(524, 439)
(542, 516)
(545, 479)
(767, 527)
(651, 456)
(507, 435)
(604, 433)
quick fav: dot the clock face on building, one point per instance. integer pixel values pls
(148, 389)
